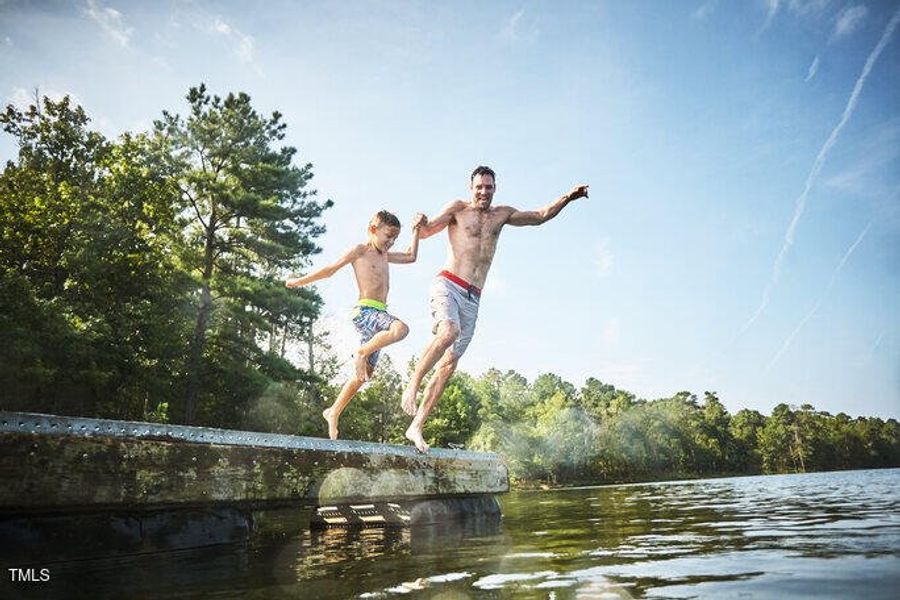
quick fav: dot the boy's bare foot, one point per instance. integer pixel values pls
(415, 436)
(408, 402)
(328, 414)
(362, 371)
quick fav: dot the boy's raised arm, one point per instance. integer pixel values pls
(325, 272)
(413, 251)
(542, 215)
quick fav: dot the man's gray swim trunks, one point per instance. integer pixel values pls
(454, 299)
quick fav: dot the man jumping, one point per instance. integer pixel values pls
(473, 229)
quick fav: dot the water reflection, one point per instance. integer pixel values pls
(720, 538)
(831, 535)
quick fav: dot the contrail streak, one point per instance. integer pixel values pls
(772, 9)
(817, 166)
(878, 341)
(815, 309)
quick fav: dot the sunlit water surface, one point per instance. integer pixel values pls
(823, 535)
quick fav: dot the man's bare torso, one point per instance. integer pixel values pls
(372, 273)
(473, 235)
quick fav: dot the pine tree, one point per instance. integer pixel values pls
(251, 218)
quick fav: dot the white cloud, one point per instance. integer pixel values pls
(245, 49)
(7, 41)
(798, 8)
(222, 27)
(509, 31)
(848, 21)
(772, 7)
(22, 98)
(704, 10)
(519, 29)
(110, 20)
(244, 45)
(603, 258)
(813, 69)
(803, 8)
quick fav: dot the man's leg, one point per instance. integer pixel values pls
(446, 334)
(396, 332)
(433, 391)
(333, 412)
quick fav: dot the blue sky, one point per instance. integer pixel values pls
(743, 230)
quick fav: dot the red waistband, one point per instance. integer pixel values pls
(461, 282)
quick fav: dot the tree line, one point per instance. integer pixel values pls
(142, 278)
(551, 432)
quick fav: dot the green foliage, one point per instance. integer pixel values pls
(160, 414)
(249, 217)
(90, 287)
(744, 430)
(146, 272)
(550, 434)
(374, 414)
(456, 415)
(289, 407)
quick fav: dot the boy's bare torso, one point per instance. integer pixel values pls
(372, 273)
(473, 235)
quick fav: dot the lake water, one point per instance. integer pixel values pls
(823, 535)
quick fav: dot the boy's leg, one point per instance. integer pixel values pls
(396, 332)
(446, 334)
(333, 412)
(445, 368)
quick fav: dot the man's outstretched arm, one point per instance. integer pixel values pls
(542, 215)
(437, 224)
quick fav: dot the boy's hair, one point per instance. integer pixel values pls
(383, 217)
(482, 170)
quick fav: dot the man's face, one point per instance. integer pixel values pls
(483, 189)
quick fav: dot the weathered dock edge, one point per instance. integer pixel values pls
(68, 464)
(75, 488)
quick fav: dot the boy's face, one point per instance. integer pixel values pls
(383, 236)
(483, 189)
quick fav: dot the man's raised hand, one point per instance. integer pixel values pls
(579, 191)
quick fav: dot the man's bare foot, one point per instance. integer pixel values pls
(362, 370)
(328, 414)
(408, 403)
(415, 436)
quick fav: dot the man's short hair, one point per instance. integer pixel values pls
(482, 170)
(383, 217)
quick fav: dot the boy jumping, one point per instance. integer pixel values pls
(376, 327)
